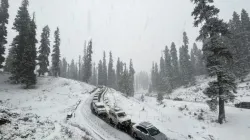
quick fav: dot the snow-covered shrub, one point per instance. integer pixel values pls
(183, 108)
(178, 99)
(142, 98)
(212, 104)
(67, 132)
(200, 116)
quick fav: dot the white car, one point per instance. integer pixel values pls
(146, 131)
(99, 108)
(119, 118)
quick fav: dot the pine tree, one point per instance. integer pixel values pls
(94, 76)
(163, 80)
(79, 68)
(124, 85)
(88, 63)
(9, 61)
(160, 97)
(193, 61)
(56, 54)
(100, 73)
(118, 72)
(185, 63)
(72, 69)
(44, 51)
(157, 77)
(64, 68)
(3, 29)
(84, 59)
(111, 78)
(168, 71)
(21, 26)
(175, 66)
(104, 66)
(28, 63)
(214, 33)
(153, 78)
(238, 47)
(131, 79)
(200, 63)
(241, 43)
(142, 80)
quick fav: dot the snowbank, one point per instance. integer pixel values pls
(40, 113)
(183, 120)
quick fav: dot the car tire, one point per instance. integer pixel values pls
(134, 135)
(118, 126)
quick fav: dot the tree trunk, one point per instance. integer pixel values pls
(221, 116)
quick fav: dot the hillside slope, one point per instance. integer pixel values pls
(40, 113)
(188, 119)
(195, 93)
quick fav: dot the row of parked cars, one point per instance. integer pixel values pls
(118, 118)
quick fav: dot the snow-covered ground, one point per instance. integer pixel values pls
(195, 93)
(40, 113)
(183, 120)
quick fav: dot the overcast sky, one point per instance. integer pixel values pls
(137, 29)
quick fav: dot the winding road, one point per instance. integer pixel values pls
(101, 130)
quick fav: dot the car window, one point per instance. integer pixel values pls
(122, 114)
(142, 129)
(100, 106)
(153, 131)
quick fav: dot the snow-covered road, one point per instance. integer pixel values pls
(101, 130)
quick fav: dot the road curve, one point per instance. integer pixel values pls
(102, 130)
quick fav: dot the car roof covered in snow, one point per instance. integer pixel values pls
(99, 103)
(146, 125)
(120, 112)
(116, 109)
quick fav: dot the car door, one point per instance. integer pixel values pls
(145, 135)
(115, 118)
(139, 132)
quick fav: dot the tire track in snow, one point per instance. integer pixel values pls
(103, 130)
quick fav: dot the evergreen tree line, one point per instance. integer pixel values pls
(81, 69)
(239, 43)
(22, 59)
(173, 71)
(121, 79)
(141, 80)
(103, 74)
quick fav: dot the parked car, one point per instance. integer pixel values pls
(99, 109)
(95, 98)
(119, 118)
(146, 131)
(245, 105)
(92, 103)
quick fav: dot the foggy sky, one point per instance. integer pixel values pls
(137, 29)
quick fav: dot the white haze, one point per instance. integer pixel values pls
(137, 29)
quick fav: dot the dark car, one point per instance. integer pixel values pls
(245, 105)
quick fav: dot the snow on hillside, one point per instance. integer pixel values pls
(183, 120)
(40, 113)
(195, 93)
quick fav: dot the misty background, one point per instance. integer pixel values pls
(128, 28)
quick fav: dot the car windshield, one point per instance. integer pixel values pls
(153, 131)
(122, 114)
(100, 106)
